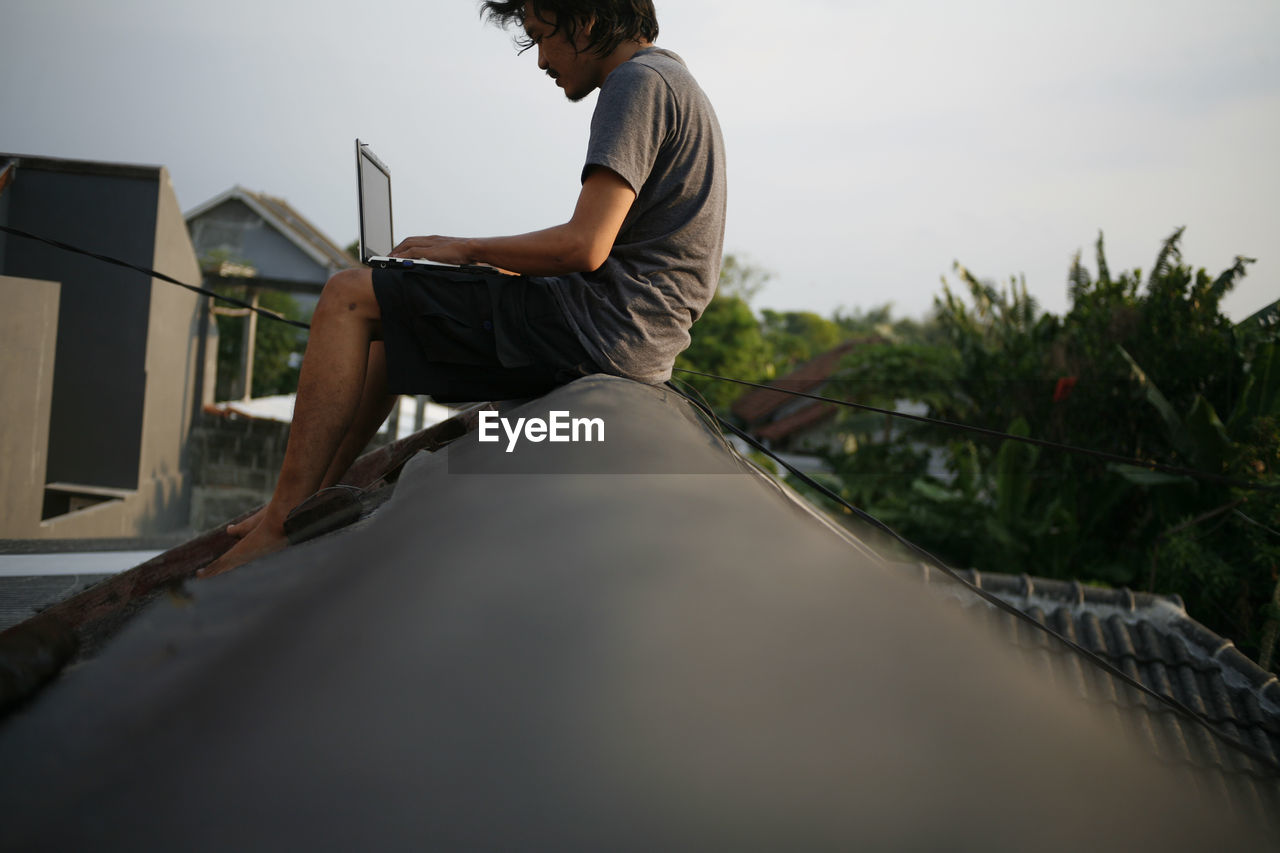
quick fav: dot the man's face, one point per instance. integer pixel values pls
(574, 70)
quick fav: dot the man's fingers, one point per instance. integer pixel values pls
(414, 244)
(415, 252)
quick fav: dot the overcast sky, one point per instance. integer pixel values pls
(871, 143)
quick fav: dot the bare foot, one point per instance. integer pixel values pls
(266, 538)
(242, 529)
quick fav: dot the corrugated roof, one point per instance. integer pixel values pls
(638, 644)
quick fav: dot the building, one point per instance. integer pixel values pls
(796, 424)
(104, 368)
(251, 240)
(642, 643)
(251, 235)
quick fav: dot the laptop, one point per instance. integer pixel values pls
(373, 179)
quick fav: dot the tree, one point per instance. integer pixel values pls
(726, 342)
(741, 278)
(1148, 369)
(794, 337)
(726, 339)
(275, 347)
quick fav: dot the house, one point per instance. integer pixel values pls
(253, 240)
(795, 424)
(104, 368)
(245, 234)
(639, 643)
(802, 430)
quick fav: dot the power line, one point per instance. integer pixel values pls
(1039, 442)
(58, 244)
(1110, 457)
(988, 596)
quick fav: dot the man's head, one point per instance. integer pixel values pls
(594, 26)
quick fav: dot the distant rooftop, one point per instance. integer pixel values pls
(285, 219)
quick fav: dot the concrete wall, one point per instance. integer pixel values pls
(99, 378)
(127, 379)
(174, 370)
(28, 327)
(234, 463)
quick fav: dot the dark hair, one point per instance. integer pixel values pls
(615, 21)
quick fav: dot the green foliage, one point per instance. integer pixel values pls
(1001, 340)
(741, 278)
(273, 347)
(879, 374)
(726, 342)
(1148, 369)
(879, 322)
(729, 340)
(1144, 366)
(794, 337)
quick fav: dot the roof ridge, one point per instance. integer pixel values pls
(285, 218)
(304, 227)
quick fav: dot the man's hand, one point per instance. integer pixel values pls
(580, 245)
(445, 250)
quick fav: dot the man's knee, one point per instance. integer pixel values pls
(350, 290)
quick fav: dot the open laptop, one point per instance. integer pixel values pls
(373, 179)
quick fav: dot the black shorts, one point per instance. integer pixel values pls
(466, 336)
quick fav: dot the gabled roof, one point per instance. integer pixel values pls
(636, 644)
(287, 221)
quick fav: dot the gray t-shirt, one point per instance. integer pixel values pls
(654, 126)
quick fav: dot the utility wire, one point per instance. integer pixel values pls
(1039, 442)
(1110, 457)
(986, 595)
(993, 599)
(153, 274)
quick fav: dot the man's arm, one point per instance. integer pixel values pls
(580, 245)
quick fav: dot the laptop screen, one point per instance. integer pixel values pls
(375, 204)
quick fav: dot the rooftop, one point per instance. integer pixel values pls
(285, 219)
(641, 643)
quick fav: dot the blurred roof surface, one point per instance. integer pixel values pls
(634, 644)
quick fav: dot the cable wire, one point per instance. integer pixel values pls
(1038, 442)
(1110, 457)
(67, 247)
(928, 557)
(993, 599)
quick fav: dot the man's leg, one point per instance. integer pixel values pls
(330, 389)
(375, 405)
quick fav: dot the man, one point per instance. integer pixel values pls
(614, 290)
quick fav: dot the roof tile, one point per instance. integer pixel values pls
(1153, 640)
